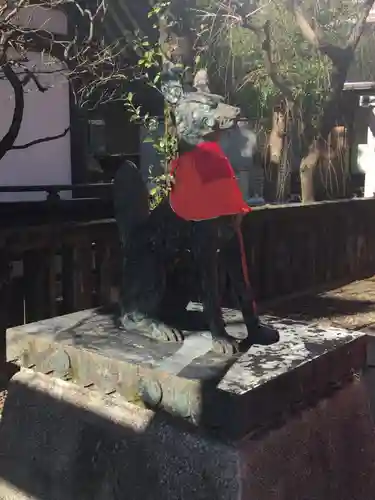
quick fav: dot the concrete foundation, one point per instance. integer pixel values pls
(62, 442)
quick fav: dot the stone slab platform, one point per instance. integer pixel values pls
(232, 397)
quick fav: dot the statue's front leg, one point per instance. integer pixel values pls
(205, 245)
(143, 288)
(258, 333)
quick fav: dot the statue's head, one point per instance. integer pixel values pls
(198, 113)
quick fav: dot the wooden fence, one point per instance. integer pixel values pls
(293, 248)
(59, 268)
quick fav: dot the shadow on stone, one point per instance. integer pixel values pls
(316, 306)
(62, 442)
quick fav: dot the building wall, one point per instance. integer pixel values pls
(363, 159)
(45, 114)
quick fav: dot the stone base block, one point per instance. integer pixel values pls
(59, 441)
(189, 380)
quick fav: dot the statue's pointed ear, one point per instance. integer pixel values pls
(201, 82)
(171, 84)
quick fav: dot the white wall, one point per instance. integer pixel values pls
(45, 114)
(37, 17)
(366, 149)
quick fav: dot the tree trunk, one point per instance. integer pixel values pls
(319, 145)
(307, 169)
(284, 177)
(274, 156)
(10, 137)
(331, 183)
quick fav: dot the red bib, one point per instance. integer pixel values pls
(205, 185)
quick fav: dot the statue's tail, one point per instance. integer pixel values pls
(131, 199)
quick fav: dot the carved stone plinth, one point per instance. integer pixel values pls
(230, 397)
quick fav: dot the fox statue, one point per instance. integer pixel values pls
(193, 237)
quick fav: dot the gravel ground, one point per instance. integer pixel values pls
(3, 395)
(6, 373)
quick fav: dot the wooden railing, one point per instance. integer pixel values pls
(59, 268)
(54, 191)
(293, 248)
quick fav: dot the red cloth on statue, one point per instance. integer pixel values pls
(205, 185)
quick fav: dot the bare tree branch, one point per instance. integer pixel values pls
(15, 10)
(8, 140)
(42, 140)
(271, 66)
(358, 28)
(264, 36)
(338, 55)
(313, 35)
(29, 75)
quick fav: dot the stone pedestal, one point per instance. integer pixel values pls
(284, 422)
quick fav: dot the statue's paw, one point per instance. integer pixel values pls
(164, 333)
(265, 335)
(225, 345)
(259, 335)
(245, 344)
(151, 328)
